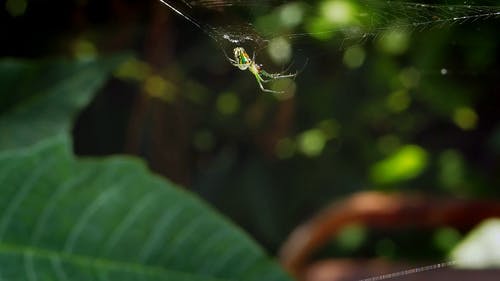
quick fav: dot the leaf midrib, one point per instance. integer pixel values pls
(97, 262)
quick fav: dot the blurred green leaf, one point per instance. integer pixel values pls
(38, 100)
(69, 219)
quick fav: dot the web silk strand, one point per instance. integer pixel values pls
(410, 271)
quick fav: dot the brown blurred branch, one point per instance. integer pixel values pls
(349, 270)
(379, 210)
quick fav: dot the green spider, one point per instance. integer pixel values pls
(243, 61)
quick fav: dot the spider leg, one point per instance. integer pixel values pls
(235, 63)
(258, 75)
(267, 80)
(239, 65)
(276, 75)
(260, 80)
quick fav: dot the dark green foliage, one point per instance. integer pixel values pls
(40, 100)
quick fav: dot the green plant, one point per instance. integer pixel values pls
(67, 218)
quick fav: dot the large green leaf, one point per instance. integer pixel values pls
(63, 218)
(110, 219)
(39, 99)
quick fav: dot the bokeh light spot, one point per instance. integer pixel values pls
(330, 128)
(446, 238)
(316, 27)
(312, 142)
(352, 237)
(451, 169)
(228, 103)
(84, 49)
(280, 50)
(287, 88)
(337, 12)
(394, 41)
(465, 118)
(406, 163)
(16, 7)
(354, 57)
(133, 69)
(409, 77)
(291, 14)
(156, 86)
(398, 101)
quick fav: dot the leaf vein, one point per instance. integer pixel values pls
(87, 213)
(128, 220)
(62, 189)
(20, 196)
(58, 269)
(29, 266)
(155, 237)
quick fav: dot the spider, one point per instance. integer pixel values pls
(243, 62)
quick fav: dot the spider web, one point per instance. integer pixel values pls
(231, 23)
